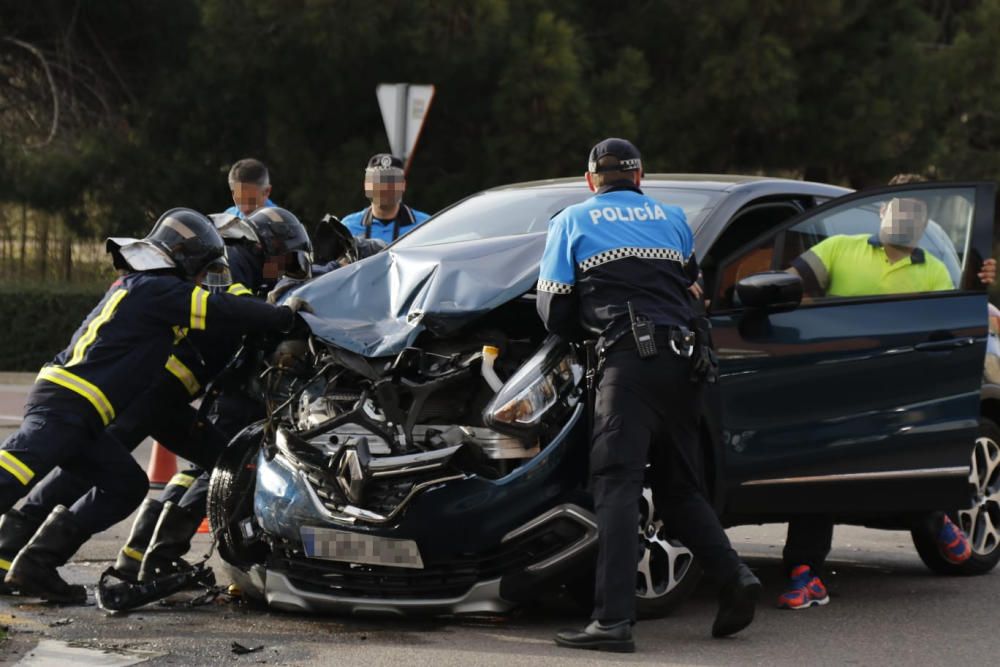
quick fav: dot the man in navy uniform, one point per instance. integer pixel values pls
(388, 217)
(123, 343)
(269, 241)
(619, 267)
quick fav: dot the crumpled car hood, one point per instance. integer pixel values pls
(378, 306)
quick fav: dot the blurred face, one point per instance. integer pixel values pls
(294, 265)
(249, 197)
(903, 222)
(385, 187)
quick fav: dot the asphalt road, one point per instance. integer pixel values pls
(886, 609)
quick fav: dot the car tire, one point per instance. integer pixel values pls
(230, 498)
(980, 521)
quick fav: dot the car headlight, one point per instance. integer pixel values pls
(551, 378)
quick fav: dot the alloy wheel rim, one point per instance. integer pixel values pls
(663, 562)
(981, 521)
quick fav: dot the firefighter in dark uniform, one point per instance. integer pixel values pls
(164, 412)
(267, 245)
(124, 341)
(619, 266)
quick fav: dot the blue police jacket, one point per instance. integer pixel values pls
(383, 229)
(235, 210)
(616, 247)
(125, 341)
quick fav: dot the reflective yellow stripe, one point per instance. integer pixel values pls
(16, 467)
(4, 564)
(179, 334)
(199, 308)
(75, 383)
(184, 374)
(238, 289)
(132, 553)
(180, 479)
(90, 335)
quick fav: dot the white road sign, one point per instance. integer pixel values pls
(404, 107)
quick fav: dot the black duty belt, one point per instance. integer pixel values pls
(679, 340)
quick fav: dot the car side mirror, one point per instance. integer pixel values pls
(771, 291)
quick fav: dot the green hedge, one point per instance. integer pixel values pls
(36, 322)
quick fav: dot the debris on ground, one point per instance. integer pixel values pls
(59, 622)
(240, 649)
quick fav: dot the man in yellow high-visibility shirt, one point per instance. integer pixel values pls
(888, 262)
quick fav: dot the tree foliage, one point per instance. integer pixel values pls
(113, 112)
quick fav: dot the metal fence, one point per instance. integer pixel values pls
(36, 246)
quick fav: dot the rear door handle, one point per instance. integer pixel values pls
(944, 345)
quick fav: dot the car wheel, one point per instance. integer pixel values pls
(667, 572)
(230, 498)
(980, 520)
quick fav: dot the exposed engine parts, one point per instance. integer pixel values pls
(370, 434)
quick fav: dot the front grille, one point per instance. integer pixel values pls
(382, 496)
(438, 580)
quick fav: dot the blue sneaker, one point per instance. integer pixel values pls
(953, 543)
(804, 591)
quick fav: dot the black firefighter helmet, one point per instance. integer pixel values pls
(283, 240)
(181, 239)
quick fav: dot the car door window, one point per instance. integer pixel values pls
(904, 242)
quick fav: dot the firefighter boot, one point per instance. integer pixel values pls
(130, 557)
(16, 528)
(171, 540)
(34, 572)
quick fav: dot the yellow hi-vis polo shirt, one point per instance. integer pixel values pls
(857, 265)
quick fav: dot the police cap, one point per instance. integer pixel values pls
(384, 161)
(628, 158)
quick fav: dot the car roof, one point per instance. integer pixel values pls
(717, 182)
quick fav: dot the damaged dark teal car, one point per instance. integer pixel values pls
(426, 450)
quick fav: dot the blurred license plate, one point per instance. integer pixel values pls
(341, 545)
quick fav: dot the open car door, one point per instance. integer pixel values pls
(863, 398)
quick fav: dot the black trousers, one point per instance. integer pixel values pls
(647, 411)
(113, 483)
(809, 540)
(164, 413)
(230, 413)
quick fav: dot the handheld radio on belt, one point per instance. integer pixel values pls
(643, 332)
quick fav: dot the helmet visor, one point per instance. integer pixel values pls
(217, 277)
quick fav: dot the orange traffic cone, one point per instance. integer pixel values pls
(162, 466)
(204, 527)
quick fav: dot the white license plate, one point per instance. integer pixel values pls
(348, 547)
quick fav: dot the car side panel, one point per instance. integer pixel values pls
(850, 397)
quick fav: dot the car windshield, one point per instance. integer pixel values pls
(513, 212)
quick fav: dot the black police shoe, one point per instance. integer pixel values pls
(737, 601)
(616, 637)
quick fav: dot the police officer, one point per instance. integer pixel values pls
(388, 217)
(124, 341)
(619, 266)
